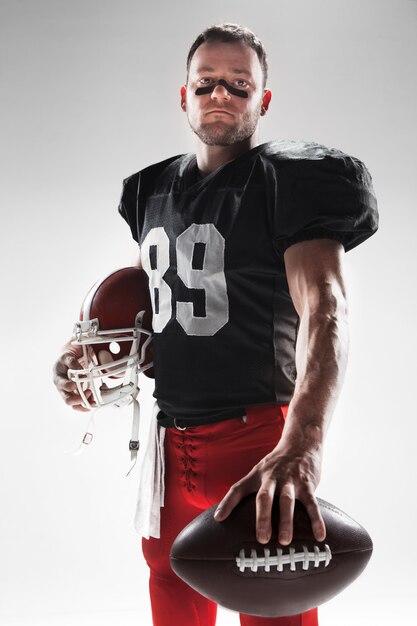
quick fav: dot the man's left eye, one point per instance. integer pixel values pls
(241, 82)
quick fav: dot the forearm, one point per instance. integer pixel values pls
(321, 358)
(292, 469)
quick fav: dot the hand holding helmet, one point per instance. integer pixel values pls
(114, 333)
(71, 358)
(111, 346)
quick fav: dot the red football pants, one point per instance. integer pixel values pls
(201, 463)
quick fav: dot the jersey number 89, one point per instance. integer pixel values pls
(210, 278)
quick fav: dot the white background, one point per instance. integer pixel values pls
(90, 94)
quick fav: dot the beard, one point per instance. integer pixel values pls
(219, 133)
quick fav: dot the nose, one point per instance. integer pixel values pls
(220, 93)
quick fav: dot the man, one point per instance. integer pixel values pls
(243, 247)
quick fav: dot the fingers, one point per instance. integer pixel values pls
(265, 482)
(286, 510)
(317, 522)
(67, 360)
(75, 401)
(236, 492)
(226, 506)
(286, 513)
(264, 500)
(68, 388)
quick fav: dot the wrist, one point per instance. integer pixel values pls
(306, 435)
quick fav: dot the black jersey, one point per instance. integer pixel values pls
(225, 327)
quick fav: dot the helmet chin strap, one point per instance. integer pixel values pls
(134, 440)
(241, 93)
(124, 394)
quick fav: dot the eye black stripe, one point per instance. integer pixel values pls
(233, 90)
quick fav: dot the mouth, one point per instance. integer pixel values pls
(218, 112)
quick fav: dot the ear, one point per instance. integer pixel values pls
(183, 97)
(266, 99)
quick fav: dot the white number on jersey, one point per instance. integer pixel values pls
(210, 277)
(155, 266)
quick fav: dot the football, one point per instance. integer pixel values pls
(224, 562)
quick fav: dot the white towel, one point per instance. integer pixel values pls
(151, 481)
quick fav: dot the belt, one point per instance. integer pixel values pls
(182, 424)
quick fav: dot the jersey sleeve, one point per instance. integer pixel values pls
(128, 205)
(136, 190)
(330, 197)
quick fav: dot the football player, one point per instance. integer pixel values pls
(243, 248)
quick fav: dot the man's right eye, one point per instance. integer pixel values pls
(205, 80)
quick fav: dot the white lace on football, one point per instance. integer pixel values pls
(278, 560)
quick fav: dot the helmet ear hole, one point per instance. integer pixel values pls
(114, 347)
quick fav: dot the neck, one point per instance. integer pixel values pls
(209, 158)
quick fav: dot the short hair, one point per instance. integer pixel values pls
(231, 33)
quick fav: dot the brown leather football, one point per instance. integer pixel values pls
(224, 562)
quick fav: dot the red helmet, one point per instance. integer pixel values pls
(115, 330)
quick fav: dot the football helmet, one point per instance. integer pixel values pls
(115, 332)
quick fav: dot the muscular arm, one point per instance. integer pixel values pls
(315, 278)
(292, 469)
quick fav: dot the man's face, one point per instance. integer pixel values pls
(221, 118)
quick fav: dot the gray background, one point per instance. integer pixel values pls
(90, 94)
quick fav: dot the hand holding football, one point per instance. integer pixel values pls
(224, 562)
